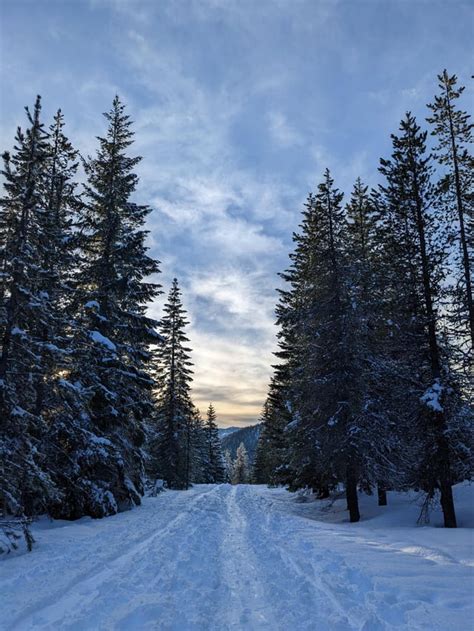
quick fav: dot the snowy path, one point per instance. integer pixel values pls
(222, 558)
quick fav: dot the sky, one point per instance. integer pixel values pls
(239, 106)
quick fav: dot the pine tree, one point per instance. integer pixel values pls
(453, 131)
(272, 446)
(198, 450)
(324, 370)
(241, 472)
(174, 406)
(415, 256)
(113, 333)
(25, 483)
(378, 444)
(229, 466)
(215, 462)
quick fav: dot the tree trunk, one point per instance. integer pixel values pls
(323, 493)
(445, 485)
(382, 495)
(351, 495)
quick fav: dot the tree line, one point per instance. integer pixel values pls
(94, 393)
(374, 383)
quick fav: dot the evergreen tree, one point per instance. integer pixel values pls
(229, 465)
(272, 447)
(326, 395)
(215, 463)
(415, 256)
(25, 483)
(113, 334)
(198, 450)
(378, 444)
(452, 129)
(241, 472)
(174, 407)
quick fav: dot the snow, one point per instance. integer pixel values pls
(242, 558)
(17, 331)
(432, 397)
(98, 338)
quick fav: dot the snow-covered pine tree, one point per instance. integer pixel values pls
(198, 449)
(413, 260)
(270, 455)
(175, 410)
(229, 465)
(241, 471)
(215, 462)
(59, 402)
(327, 391)
(113, 334)
(25, 484)
(452, 129)
(379, 444)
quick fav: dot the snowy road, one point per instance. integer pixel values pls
(232, 557)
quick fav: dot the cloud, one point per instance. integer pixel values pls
(282, 132)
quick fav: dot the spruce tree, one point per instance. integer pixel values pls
(215, 463)
(272, 446)
(324, 372)
(229, 465)
(415, 256)
(113, 332)
(452, 130)
(377, 443)
(241, 472)
(25, 484)
(174, 406)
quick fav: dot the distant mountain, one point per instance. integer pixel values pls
(225, 431)
(247, 435)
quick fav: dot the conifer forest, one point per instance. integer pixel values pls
(151, 513)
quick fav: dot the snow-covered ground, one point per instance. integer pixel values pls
(243, 557)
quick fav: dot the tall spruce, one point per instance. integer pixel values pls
(175, 410)
(113, 332)
(452, 129)
(272, 445)
(215, 462)
(324, 370)
(240, 469)
(25, 484)
(415, 257)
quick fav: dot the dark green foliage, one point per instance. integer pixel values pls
(214, 465)
(452, 129)
(175, 412)
(372, 389)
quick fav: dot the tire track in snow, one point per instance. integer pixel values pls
(73, 595)
(317, 606)
(243, 600)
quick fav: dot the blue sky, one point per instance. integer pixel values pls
(239, 106)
